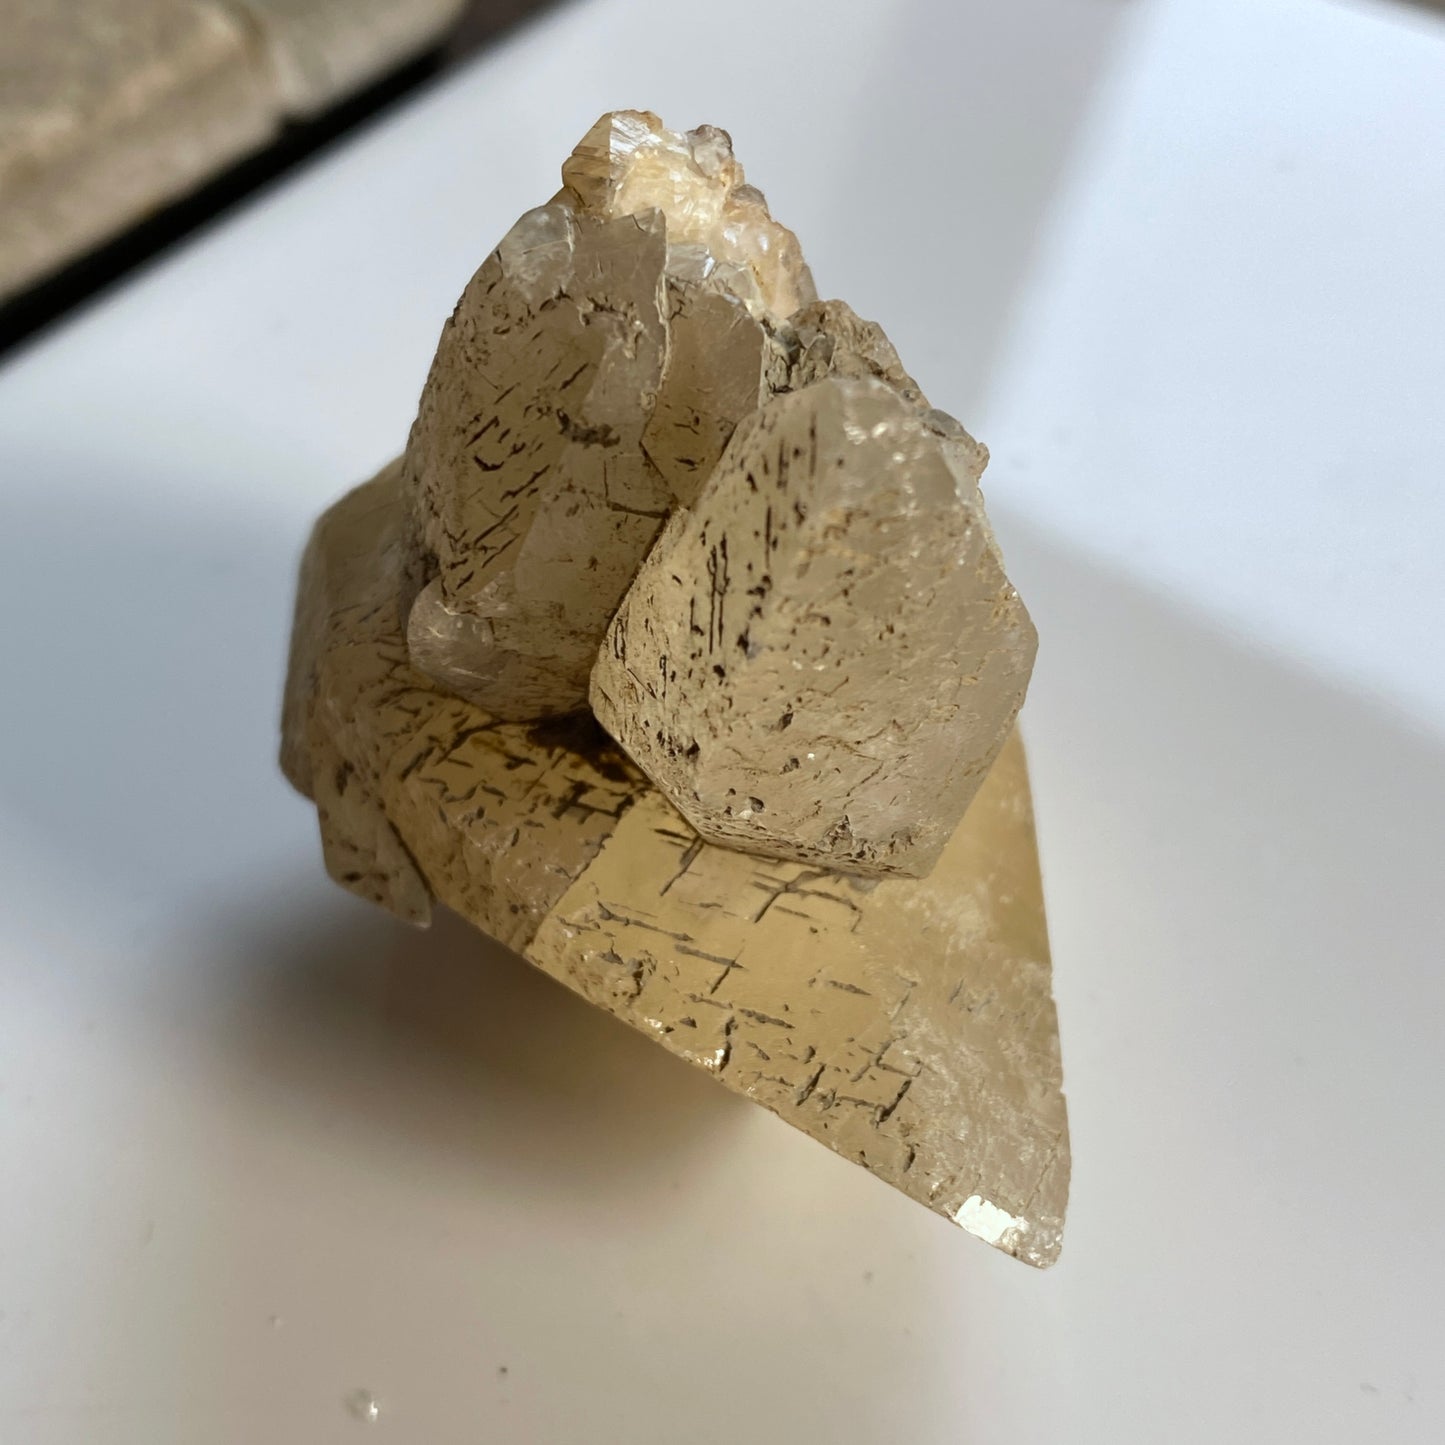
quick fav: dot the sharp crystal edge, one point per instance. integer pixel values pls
(791, 837)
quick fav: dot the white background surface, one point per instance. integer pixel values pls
(1177, 262)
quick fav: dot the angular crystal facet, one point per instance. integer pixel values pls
(791, 837)
(822, 658)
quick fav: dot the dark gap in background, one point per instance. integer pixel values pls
(28, 313)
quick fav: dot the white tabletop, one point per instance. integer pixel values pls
(271, 1161)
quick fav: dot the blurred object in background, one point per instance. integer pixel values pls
(320, 50)
(111, 109)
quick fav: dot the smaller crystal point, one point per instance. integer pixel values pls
(821, 658)
(583, 389)
(629, 162)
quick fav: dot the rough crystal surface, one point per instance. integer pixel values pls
(718, 227)
(821, 659)
(497, 818)
(905, 1023)
(534, 499)
(646, 346)
(649, 463)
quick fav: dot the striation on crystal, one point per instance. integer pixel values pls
(905, 1023)
(676, 653)
(822, 658)
(587, 381)
(718, 227)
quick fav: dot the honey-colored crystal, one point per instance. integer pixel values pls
(718, 227)
(905, 1023)
(791, 837)
(533, 500)
(821, 659)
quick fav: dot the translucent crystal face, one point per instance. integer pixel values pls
(718, 227)
(650, 472)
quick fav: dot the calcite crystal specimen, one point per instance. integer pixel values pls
(650, 467)
(906, 1023)
(585, 385)
(110, 109)
(837, 568)
(821, 659)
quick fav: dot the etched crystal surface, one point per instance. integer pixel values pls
(905, 1023)
(563, 420)
(650, 465)
(822, 658)
(649, 345)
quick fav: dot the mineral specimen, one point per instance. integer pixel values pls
(822, 658)
(906, 1023)
(649, 462)
(834, 660)
(555, 434)
(110, 109)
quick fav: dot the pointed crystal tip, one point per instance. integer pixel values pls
(629, 162)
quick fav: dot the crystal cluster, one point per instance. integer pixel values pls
(821, 657)
(676, 653)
